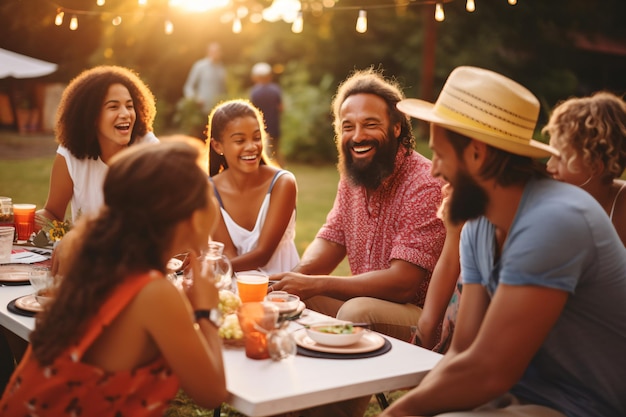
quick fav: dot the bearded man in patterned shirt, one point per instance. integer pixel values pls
(383, 219)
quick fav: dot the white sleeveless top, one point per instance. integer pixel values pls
(285, 257)
(88, 178)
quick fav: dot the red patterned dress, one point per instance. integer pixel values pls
(70, 387)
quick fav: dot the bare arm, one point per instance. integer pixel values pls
(282, 205)
(60, 192)
(193, 351)
(517, 322)
(399, 283)
(440, 289)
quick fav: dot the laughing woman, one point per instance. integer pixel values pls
(257, 200)
(102, 111)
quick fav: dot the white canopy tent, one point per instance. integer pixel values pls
(17, 65)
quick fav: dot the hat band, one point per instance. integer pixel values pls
(461, 112)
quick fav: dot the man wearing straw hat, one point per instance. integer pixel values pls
(541, 329)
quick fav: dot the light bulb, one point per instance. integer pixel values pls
(298, 24)
(470, 6)
(237, 25)
(117, 20)
(512, 2)
(100, 2)
(73, 23)
(439, 15)
(142, 2)
(169, 27)
(361, 22)
(58, 20)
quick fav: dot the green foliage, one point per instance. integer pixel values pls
(306, 122)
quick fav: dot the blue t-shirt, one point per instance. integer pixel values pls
(562, 238)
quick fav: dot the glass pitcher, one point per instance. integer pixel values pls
(220, 267)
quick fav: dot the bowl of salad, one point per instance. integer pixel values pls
(335, 333)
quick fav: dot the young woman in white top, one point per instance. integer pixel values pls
(590, 133)
(257, 200)
(102, 111)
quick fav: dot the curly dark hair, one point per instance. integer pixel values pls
(372, 81)
(220, 116)
(149, 189)
(81, 105)
(595, 127)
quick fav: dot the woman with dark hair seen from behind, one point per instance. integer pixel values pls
(590, 133)
(119, 338)
(257, 200)
(102, 111)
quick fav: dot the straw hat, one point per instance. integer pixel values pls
(485, 106)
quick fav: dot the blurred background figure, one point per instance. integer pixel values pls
(206, 82)
(267, 97)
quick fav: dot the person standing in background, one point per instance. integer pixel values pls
(267, 97)
(206, 81)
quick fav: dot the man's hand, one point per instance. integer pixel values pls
(304, 286)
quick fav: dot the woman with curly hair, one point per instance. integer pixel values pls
(590, 133)
(119, 338)
(102, 111)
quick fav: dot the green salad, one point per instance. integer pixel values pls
(337, 329)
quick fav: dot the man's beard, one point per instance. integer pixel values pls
(468, 199)
(369, 174)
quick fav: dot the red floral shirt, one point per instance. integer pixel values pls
(397, 221)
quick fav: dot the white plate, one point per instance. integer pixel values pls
(15, 273)
(368, 343)
(28, 303)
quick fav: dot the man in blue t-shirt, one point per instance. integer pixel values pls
(541, 329)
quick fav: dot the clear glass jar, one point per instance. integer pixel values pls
(215, 263)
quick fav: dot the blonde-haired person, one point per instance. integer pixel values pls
(119, 338)
(590, 133)
(257, 199)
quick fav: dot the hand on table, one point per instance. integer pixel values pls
(304, 286)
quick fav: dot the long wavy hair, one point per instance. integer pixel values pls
(81, 104)
(148, 191)
(220, 116)
(371, 81)
(595, 127)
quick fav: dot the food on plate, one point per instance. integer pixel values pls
(229, 302)
(230, 329)
(346, 328)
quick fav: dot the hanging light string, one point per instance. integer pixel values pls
(295, 17)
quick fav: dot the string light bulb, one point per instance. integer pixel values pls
(361, 22)
(512, 2)
(58, 20)
(169, 27)
(142, 3)
(100, 2)
(117, 20)
(74, 22)
(470, 6)
(298, 24)
(439, 14)
(237, 25)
